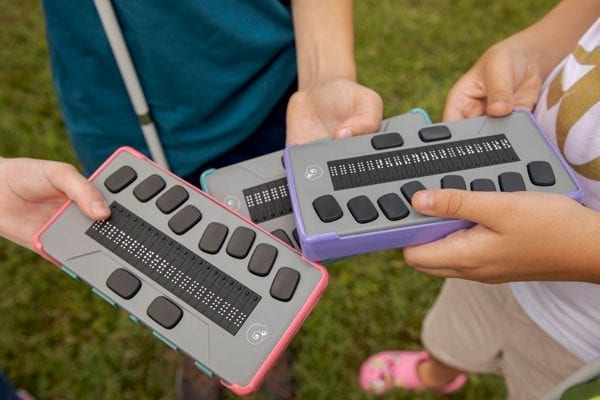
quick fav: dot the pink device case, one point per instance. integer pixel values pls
(216, 287)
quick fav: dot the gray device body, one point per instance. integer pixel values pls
(241, 354)
(350, 178)
(262, 179)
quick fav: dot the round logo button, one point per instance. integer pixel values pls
(313, 172)
(232, 202)
(257, 333)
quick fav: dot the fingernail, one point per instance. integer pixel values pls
(500, 105)
(425, 201)
(345, 133)
(100, 209)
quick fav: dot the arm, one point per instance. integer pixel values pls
(31, 191)
(517, 236)
(557, 33)
(328, 101)
(509, 74)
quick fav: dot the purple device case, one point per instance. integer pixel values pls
(330, 245)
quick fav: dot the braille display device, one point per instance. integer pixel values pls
(208, 282)
(352, 196)
(257, 188)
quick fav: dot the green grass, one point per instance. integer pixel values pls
(62, 342)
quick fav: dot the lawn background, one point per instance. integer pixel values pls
(60, 341)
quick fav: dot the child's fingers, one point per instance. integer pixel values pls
(366, 118)
(500, 87)
(66, 179)
(442, 256)
(486, 208)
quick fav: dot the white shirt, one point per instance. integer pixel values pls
(569, 112)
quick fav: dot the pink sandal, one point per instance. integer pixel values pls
(389, 369)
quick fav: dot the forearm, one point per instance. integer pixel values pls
(557, 33)
(324, 40)
(583, 254)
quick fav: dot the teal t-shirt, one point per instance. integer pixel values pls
(211, 70)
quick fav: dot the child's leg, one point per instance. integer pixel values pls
(477, 328)
(465, 326)
(460, 333)
(434, 373)
(481, 328)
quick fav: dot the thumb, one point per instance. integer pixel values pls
(499, 87)
(88, 198)
(366, 117)
(478, 207)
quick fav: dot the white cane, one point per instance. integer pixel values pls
(132, 83)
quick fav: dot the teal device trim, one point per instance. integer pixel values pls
(203, 368)
(104, 297)
(164, 340)
(424, 113)
(69, 272)
(203, 178)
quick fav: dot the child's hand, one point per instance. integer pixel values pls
(339, 107)
(510, 73)
(517, 236)
(505, 78)
(31, 191)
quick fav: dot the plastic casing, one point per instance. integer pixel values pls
(345, 237)
(240, 364)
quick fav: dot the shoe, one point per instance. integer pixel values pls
(279, 383)
(193, 384)
(384, 371)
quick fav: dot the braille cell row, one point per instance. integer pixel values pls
(421, 161)
(364, 211)
(268, 200)
(214, 236)
(182, 272)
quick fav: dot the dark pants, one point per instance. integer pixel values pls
(7, 392)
